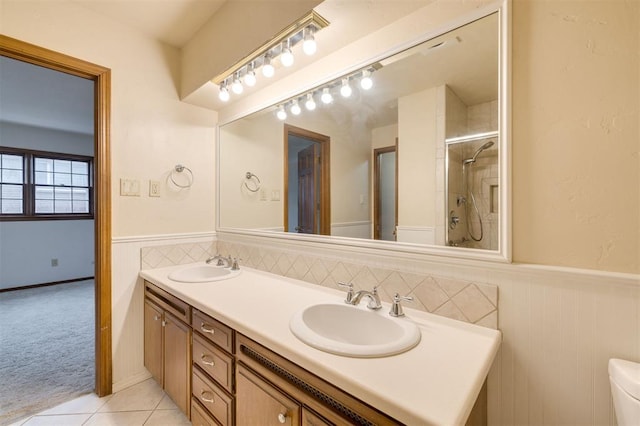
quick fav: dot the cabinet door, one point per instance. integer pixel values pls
(153, 340)
(309, 418)
(177, 361)
(260, 403)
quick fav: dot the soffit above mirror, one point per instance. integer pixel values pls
(348, 22)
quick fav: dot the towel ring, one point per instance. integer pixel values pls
(250, 178)
(179, 168)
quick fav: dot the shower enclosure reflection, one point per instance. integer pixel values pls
(472, 191)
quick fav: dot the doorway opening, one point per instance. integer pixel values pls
(385, 193)
(307, 196)
(101, 77)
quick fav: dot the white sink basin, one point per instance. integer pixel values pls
(202, 274)
(353, 330)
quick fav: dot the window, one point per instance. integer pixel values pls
(11, 184)
(43, 185)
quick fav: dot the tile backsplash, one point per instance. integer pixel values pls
(176, 254)
(468, 301)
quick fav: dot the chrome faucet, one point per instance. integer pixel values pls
(222, 261)
(396, 307)
(354, 298)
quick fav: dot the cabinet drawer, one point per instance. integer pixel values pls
(167, 301)
(213, 361)
(213, 398)
(213, 330)
(199, 416)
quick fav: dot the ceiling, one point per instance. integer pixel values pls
(41, 97)
(173, 22)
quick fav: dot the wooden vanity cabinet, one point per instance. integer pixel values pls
(213, 379)
(167, 344)
(219, 377)
(318, 402)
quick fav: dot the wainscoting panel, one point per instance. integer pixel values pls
(128, 298)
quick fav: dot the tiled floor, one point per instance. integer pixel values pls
(142, 404)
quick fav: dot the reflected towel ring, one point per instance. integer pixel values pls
(256, 185)
(179, 168)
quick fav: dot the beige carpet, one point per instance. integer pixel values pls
(46, 347)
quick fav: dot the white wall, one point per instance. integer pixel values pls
(27, 248)
(417, 141)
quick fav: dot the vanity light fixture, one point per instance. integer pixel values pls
(366, 82)
(286, 57)
(326, 97)
(361, 76)
(281, 47)
(224, 92)
(309, 45)
(345, 89)
(237, 86)
(267, 67)
(295, 108)
(250, 76)
(281, 114)
(310, 104)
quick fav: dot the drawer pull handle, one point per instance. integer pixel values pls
(203, 359)
(207, 330)
(204, 398)
(156, 317)
(282, 418)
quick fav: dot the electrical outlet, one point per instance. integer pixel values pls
(154, 188)
(54, 262)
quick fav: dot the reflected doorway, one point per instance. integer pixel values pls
(306, 181)
(385, 189)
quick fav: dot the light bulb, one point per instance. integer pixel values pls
(286, 57)
(224, 93)
(366, 82)
(310, 104)
(250, 76)
(309, 45)
(236, 86)
(295, 108)
(326, 97)
(281, 114)
(267, 68)
(345, 90)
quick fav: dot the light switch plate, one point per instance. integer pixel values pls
(129, 187)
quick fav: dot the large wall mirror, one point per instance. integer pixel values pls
(414, 157)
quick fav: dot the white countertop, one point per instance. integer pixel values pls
(435, 383)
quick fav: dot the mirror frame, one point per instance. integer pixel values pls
(503, 254)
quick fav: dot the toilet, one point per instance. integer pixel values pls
(625, 389)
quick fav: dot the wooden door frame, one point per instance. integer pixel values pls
(101, 77)
(377, 211)
(325, 179)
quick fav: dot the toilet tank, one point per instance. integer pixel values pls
(625, 389)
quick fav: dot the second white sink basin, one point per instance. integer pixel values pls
(354, 331)
(202, 273)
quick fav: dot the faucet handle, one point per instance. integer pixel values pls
(396, 307)
(234, 263)
(349, 298)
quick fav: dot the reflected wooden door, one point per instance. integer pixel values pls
(308, 180)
